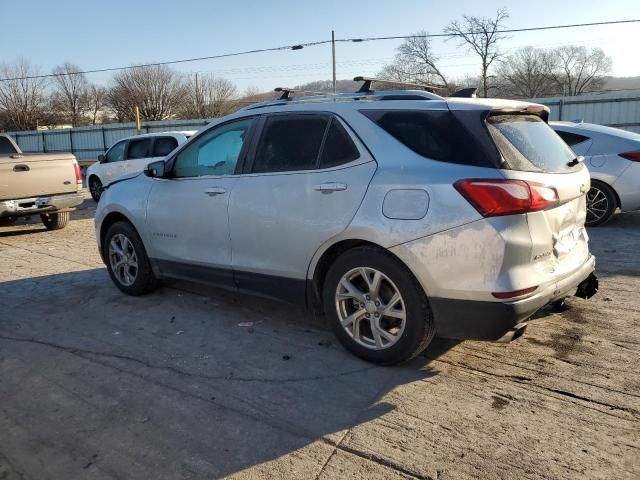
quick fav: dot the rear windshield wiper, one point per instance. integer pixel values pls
(575, 161)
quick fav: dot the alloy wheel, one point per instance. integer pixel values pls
(597, 205)
(370, 308)
(123, 259)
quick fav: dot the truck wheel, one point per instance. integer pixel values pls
(55, 221)
(127, 260)
(376, 307)
(95, 187)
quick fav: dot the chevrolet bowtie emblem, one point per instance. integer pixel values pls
(583, 188)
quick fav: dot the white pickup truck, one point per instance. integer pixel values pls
(45, 184)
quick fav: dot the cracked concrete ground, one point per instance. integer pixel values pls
(94, 384)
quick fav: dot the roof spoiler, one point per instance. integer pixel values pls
(366, 86)
(468, 92)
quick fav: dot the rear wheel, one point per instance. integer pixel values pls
(601, 204)
(55, 221)
(376, 307)
(127, 260)
(95, 188)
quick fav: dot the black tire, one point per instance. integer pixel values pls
(145, 280)
(55, 221)
(7, 221)
(95, 188)
(605, 198)
(419, 328)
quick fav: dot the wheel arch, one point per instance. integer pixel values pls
(323, 261)
(108, 221)
(615, 193)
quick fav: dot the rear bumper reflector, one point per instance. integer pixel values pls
(513, 294)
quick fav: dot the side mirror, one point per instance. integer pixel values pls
(155, 169)
(101, 158)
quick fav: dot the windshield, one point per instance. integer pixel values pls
(527, 143)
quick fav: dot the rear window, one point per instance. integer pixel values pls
(571, 139)
(527, 143)
(164, 146)
(434, 134)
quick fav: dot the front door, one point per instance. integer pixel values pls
(187, 213)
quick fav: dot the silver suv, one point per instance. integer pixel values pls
(401, 213)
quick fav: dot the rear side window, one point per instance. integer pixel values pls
(527, 143)
(290, 142)
(138, 149)
(434, 134)
(571, 139)
(164, 146)
(6, 148)
(338, 147)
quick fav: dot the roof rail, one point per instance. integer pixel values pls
(366, 86)
(468, 92)
(286, 92)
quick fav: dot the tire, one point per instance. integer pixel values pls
(601, 204)
(408, 340)
(142, 278)
(55, 221)
(95, 188)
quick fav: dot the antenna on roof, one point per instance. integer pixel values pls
(366, 86)
(469, 92)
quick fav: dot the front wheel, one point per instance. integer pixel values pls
(601, 204)
(376, 307)
(127, 261)
(55, 221)
(95, 188)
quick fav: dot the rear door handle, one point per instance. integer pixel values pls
(21, 168)
(213, 191)
(330, 187)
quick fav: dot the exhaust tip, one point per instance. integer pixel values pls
(513, 334)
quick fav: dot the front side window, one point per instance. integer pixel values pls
(290, 142)
(6, 147)
(116, 153)
(164, 146)
(215, 152)
(139, 148)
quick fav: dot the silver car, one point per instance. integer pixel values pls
(401, 213)
(613, 158)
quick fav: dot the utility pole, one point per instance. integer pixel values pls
(333, 58)
(138, 126)
(197, 96)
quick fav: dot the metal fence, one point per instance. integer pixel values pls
(619, 109)
(86, 143)
(616, 109)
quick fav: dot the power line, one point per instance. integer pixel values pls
(311, 44)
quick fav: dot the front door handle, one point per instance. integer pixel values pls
(213, 191)
(330, 187)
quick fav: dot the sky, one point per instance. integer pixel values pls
(114, 33)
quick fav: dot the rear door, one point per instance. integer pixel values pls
(304, 185)
(535, 153)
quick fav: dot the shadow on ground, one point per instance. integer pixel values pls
(173, 384)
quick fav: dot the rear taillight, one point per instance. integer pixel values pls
(78, 172)
(633, 156)
(494, 197)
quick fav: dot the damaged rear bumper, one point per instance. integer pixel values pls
(482, 320)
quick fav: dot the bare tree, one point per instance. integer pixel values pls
(415, 62)
(95, 101)
(579, 70)
(22, 99)
(207, 97)
(157, 91)
(528, 73)
(481, 35)
(70, 92)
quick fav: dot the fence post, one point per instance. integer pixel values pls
(44, 143)
(561, 103)
(104, 140)
(71, 140)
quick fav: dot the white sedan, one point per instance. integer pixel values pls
(130, 155)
